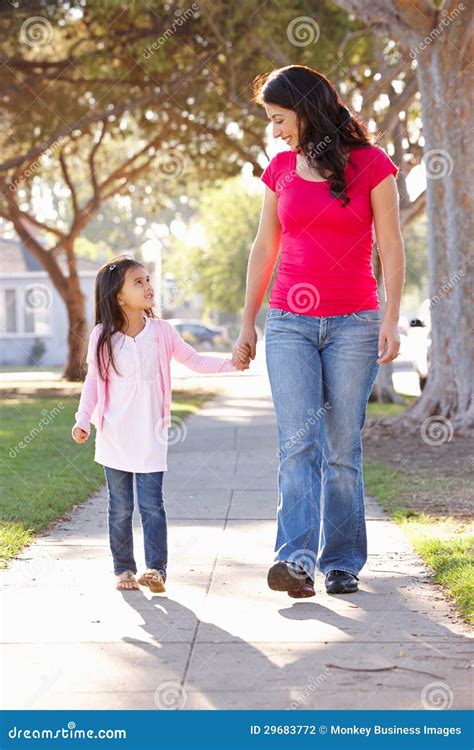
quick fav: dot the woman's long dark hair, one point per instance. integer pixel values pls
(327, 129)
(108, 283)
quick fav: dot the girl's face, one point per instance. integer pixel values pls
(285, 125)
(136, 292)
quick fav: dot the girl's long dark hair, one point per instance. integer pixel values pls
(327, 129)
(108, 283)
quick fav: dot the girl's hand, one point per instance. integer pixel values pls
(389, 341)
(79, 436)
(240, 357)
(248, 338)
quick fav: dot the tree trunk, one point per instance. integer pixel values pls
(77, 335)
(76, 310)
(445, 95)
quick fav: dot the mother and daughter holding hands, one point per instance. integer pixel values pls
(325, 339)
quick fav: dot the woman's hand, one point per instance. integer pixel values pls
(389, 341)
(79, 436)
(248, 339)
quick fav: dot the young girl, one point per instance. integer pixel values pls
(127, 396)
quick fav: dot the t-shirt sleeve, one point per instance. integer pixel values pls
(269, 175)
(381, 166)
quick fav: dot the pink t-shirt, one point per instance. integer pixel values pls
(325, 265)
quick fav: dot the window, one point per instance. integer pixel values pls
(26, 310)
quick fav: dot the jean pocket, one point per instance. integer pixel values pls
(367, 316)
(277, 312)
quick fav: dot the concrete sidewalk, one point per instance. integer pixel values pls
(219, 638)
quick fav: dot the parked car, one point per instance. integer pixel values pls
(202, 335)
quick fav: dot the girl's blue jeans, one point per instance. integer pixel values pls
(321, 372)
(149, 490)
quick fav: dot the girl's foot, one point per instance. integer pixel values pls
(153, 580)
(126, 581)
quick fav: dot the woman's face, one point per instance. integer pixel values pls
(284, 123)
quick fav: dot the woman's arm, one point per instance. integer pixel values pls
(385, 208)
(263, 256)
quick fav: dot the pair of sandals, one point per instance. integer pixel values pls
(151, 578)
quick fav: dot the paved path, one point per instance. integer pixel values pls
(219, 638)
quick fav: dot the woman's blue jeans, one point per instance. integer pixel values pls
(149, 489)
(321, 372)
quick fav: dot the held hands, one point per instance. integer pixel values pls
(79, 436)
(389, 341)
(241, 356)
(245, 348)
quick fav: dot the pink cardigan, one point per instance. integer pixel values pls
(170, 344)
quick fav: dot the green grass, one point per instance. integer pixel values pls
(50, 473)
(441, 541)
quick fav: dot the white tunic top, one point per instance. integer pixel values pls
(132, 437)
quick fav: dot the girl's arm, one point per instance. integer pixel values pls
(187, 355)
(88, 398)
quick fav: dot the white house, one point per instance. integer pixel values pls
(33, 317)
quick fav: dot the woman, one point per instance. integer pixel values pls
(325, 335)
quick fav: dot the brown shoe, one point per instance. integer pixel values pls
(153, 580)
(285, 577)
